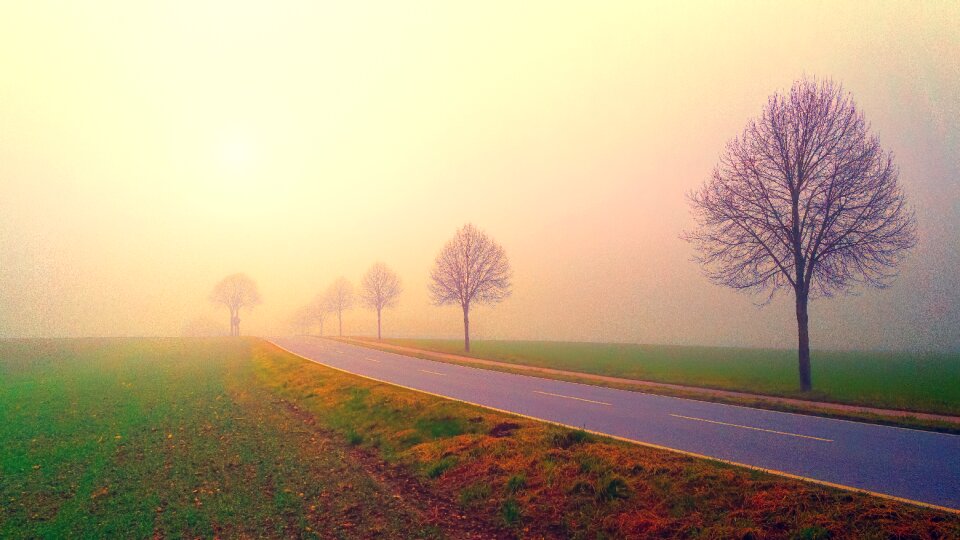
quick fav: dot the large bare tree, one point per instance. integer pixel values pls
(380, 288)
(339, 298)
(470, 269)
(804, 200)
(236, 291)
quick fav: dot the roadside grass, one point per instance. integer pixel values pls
(920, 382)
(547, 481)
(137, 438)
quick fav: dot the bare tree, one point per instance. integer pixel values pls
(806, 199)
(471, 268)
(236, 291)
(302, 319)
(320, 308)
(340, 298)
(380, 288)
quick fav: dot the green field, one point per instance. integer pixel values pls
(924, 382)
(168, 438)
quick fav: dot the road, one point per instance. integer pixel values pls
(910, 464)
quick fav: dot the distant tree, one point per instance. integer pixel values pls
(339, 298)
(805, 199)
(471, 268)
(320, 308)
(380, 288)
(303, 319)
(236, 291)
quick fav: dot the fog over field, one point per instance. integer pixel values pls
(149, 150)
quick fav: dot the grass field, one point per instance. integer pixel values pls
(141, 438)
(923, 382)
(171, 438)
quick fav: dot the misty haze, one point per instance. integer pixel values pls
(562, 270)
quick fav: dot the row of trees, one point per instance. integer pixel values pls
(379, 289)
(470, 269)
(805, 200)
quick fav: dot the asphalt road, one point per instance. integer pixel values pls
(911, 464)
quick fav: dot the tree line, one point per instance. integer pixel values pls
(380, 289)
(804, 200)
(471, 269)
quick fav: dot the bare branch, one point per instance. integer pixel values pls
(380, 287)
(805, 198)
(339, 298)
(470, 268)
(236, 291)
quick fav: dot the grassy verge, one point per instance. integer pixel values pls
(542, 480)
(920, 382)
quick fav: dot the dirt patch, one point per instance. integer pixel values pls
(503, 429)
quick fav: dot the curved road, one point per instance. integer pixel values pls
(917, 465)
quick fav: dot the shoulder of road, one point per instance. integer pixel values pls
(895, 417)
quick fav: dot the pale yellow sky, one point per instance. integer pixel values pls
(149, 149)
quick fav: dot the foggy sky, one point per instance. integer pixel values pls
(146, 151)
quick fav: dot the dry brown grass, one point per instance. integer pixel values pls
(542, 480)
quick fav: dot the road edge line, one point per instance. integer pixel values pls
(507, 369)
(640, 443)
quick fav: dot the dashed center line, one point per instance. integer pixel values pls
(571, 397)
(751, 427)
(373, 360)
(432, 372)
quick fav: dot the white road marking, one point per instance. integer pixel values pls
(432, 372)
(753, 428)
(372, 360)
(680, 451)
(571, 397)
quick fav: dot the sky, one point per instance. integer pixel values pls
(148, 149)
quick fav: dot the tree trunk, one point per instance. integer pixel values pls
(466, 328)
(340, 323)
(378, 325)
(803, 339)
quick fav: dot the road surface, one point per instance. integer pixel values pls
(920, 466)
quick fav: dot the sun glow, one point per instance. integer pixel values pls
(149, 149)
(238, 153)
